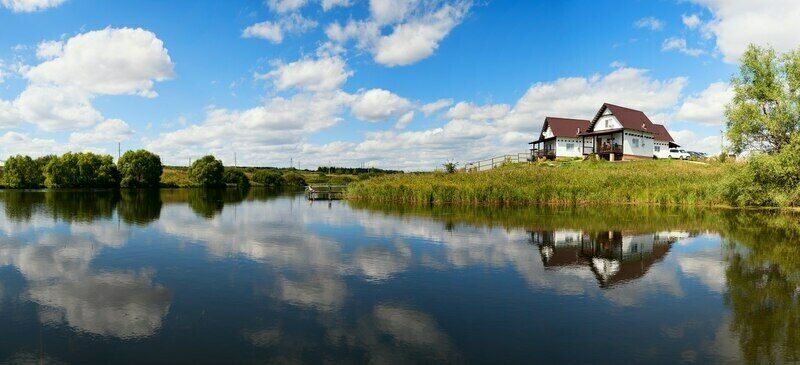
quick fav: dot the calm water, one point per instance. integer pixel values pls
(187, 276)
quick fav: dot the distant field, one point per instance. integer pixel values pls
(566, 182)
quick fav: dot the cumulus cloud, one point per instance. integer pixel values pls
(49, 50)
(736, 24)
(691, 141)
(326, 73)
(416, 29)
(285, 6)
(377, 105)
(435, 106)
(13, 143)
(330, 4)
(109, 61)
(273, 31)
(691, 21)
(465, 110)
(29, 6)
(707, 107)
(679, 44)
(404, 120)
(112, 130)
(54, 108)
(649, 23)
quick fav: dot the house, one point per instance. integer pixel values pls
(560, 137)
(615, 133)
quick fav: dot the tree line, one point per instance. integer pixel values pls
(135, 169)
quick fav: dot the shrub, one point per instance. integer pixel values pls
(236, 177)
(81, 170)
(140, 169)
(294, 180)
(268, 178)
(22, 172)
(767, 180)
(207, 172)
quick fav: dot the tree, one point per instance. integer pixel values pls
(207, 172)
(294, 180)
(269, 178)
(81, 170)
(450, 167)
(22, 172)
(236, 177)
(764, 114)
(140, 168)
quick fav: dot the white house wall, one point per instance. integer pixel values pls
(661, 149)
(562, 144)
(638, 144)
(548, 132)
(607, 122)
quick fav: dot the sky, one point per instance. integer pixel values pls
(397, 84)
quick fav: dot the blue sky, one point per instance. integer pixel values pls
(389, 83)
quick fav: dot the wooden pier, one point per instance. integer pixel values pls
(325, 192)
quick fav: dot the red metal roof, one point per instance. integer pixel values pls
(660, 133)
(629, 118)
(564, 127)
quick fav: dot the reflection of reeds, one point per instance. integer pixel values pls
(641, 182)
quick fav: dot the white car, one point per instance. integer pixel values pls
(679, 154)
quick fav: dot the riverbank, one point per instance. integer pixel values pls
(663, 182)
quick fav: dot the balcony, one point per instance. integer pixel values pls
(616, 149)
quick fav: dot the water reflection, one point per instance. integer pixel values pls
(252, 276)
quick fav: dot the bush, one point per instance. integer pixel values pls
(268, 178)
(767, 180)
(294, 180)
(207, 172)
(22, 172)
(140, 169)
(236, 177)
(81, 170)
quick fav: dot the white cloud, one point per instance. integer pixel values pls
(29, 6)
(57, 108)
(691, 21)
(112, 130)
(13, 143)
(273, 31)
(417, 28)
(49, 50)
(9, 116)
(435, 106)
(417, 39)
(469, 111)
(690, 141)
(109, 61)
(736, 24)
(679, 44)
(286, 6)
(323, 74)
(378, 104)
(649, 23)
(330, 4)
(707, 107)
(404, 120)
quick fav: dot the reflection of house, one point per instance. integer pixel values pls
(615, 133)
(613, 256)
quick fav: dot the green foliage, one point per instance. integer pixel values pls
(269, 178)
(764, 114)
(81, 170)
(236, 177)
(140, 168)
(450, 167)
(767, 180)
(22, 172)
(207, 172)
(661, 182)
(294, 180)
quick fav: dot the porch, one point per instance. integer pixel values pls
(608, 145)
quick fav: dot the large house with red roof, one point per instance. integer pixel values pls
(615, 133)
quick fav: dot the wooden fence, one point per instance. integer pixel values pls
(490, 163)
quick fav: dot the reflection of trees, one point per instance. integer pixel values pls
(81, 205)
(21, 205)
(209, 202)
(139, 206)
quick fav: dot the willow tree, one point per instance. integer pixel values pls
(764, 113)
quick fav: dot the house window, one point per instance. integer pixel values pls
(657, 148)
(608, 123)
(635, 142)
(570, 146)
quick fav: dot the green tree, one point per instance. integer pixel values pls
(764, 114)
(236, 177)
(269, 178)
(294, 180)
(140, 168)
(81, 170)
(207, 172)
(22, 172)
(450, 167)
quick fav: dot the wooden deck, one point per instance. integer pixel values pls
(325, 192)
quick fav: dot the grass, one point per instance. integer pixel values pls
(178, 177)
(661, 182)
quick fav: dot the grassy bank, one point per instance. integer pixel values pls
(571, 182)
(178, 176)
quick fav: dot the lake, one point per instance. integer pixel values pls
(193, 276)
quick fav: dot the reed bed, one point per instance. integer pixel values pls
(661, 182)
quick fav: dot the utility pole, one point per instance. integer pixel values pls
(234, 160)
(291, 162)
(119, 151)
